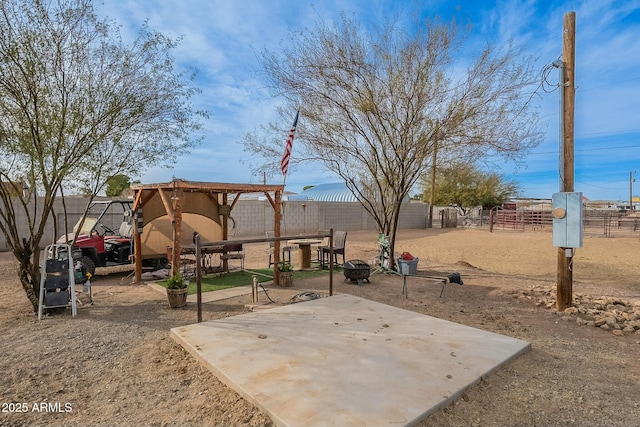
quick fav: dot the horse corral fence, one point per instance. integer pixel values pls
(595, 222)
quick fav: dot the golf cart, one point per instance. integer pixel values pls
(105, 237)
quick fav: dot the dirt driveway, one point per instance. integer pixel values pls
(115, 365)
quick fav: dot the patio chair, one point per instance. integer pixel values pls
(339, 240)
(233, 251)
(285, 250)
(318, 248)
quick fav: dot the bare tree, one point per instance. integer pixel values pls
(373, 104)
(78, 106)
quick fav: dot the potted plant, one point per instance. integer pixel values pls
(177, 291)
(285, 274)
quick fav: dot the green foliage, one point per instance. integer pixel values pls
(116, 185)
(176, 282)
(466, 186)
(79, 106)
(215, 283)
(284, 266)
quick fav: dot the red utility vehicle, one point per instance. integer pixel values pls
(105, 237)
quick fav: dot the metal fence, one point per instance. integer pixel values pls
(610, 223)
(595, 222)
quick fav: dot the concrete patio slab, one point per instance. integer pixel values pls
(346, 361)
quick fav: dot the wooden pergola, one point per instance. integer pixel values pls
(213, 198)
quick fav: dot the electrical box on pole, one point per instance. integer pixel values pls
(567, 219)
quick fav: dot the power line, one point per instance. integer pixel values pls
(604, 188)
(590, 149)
(545, 78)
(614, 132)
(610, 84)
(609, 148)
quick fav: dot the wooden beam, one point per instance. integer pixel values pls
(167, 205)
(210, 186)
(235, 200)
(136, 199)
(270, 199)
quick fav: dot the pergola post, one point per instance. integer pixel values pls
(176, 202)
(276, 232)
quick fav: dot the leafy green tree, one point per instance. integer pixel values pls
(78, 106)
(465, 186)
(374, 103)
(116, 185)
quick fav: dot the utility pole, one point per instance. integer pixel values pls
(432, 196)
(631, 191)
(564, 291)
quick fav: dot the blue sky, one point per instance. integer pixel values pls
(220, 38)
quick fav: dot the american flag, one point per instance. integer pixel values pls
(284, 164)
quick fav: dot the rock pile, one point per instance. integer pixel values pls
(607, 313)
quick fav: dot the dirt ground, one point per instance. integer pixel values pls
(115, 365)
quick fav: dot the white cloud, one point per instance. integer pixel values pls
(220, 38)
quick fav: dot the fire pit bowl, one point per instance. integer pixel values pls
(356, 270)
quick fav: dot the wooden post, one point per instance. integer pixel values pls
(198, 276)
(330, 262)
(177, 230)
(569, 58)
(276, 232)
(225, 229)
(137, 239)
(564, 291)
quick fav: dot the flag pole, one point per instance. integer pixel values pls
(284, 164)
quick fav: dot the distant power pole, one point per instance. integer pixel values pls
(432, 196)
(631, 191)
(564, 292)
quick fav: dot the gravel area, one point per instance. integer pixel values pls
(115, 365)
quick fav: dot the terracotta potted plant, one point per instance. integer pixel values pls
(177, 291)
(285, 273)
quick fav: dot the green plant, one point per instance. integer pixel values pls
(215, 282)
(284, 266)
(176, 282)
